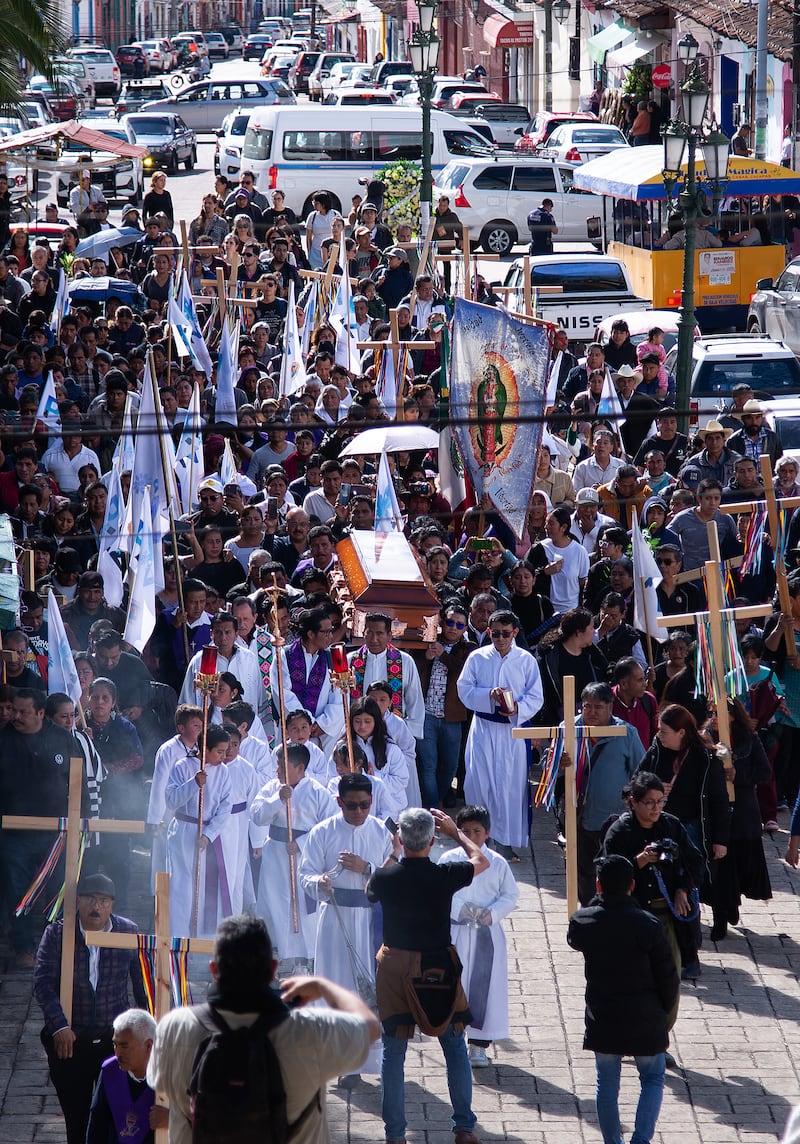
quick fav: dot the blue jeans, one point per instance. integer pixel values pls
(459, 1082)
(438, 754)
(651, 1079)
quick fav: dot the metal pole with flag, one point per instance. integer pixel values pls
(197, 344)
(189, 463)
(62, 674)
(110, 535)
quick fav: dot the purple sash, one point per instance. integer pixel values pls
(307, 690)
(131, 1117)
(216, 875)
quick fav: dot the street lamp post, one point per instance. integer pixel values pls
(423, 49)
(684, 134)
(560, 9)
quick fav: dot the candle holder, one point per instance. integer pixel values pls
(205, 681)
(343, 679)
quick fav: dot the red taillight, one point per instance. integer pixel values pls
(674, 299)
(694, 409)
(273, 177)
(573, 155)
(461, 198)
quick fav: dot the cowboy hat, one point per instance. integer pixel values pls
(713, 427)
(627, 371)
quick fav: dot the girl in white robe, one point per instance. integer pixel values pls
(298, 730)
(310, 804)
(398, 731)
(181, 798)
(386, 760)
(189, 725)
(475, 911)
(381, 802)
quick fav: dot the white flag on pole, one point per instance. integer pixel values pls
(189, 461)
(646, 578)
(62, 674)
(227, 374)
(142, 605)
(47, 412)
(388, 517)
(293, 372)
(110, 541)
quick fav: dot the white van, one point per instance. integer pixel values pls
(307, 149)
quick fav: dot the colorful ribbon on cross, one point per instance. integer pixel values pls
(545, 793)
(45, 873)
(706, 678)
(753, 542)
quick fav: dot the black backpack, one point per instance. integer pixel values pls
(236, 1092)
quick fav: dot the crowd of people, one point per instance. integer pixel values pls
(299, 811)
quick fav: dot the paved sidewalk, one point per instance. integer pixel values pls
(737, 1039)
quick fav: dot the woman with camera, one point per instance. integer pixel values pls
(667, 866)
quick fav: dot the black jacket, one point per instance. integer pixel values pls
(631, 979)
(698, 791)
(627, 837)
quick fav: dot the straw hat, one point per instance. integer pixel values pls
(714, 427)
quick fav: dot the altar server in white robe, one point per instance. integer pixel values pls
(384, 757)
(476, 917)
(245, 786)
(497, 765)
(338, 860)
(382, 804)
(251, 747)
(379, 659)
(181, 796)
(298, 730)
(310, 804)
(189, 724)
(306, 667)
(398, 732)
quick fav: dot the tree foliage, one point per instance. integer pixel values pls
(29, 30)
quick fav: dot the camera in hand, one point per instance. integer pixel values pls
(667, 850)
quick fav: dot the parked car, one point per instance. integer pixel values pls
(446, 86)
(35, 113)
(278, 67)
(121, 181)
(400, 84)
(136, 92)
(580, 142)
(463, 100)
(303, 67)
(195, 42)
(721, 361)
(544, 124)
(157, 58)
(347, 96)
(168, 139)
(103, 69)
(775, 306)
(132, 60)
(322, 69)
(79, 71)
(349, 73)
(255, 45)
(63, 94)
(506, 120)
(38, 97)
(385, 69)
(204, 105)
(217, 46)
(22, 180)
(200, 39)
(230, 139)
(233, 37)
(493, 197)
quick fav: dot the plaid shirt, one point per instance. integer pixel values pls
(92, 1010)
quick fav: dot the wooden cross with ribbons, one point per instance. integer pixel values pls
(165, 945)
(395, 345)
(72, 827)
(718, 612)
(570, 733)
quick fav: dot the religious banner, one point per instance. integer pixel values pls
(498, 378)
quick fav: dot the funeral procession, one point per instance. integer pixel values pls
(399, 572)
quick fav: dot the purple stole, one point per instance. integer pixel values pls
(307, 690)
(394, 673)
(131, 1117)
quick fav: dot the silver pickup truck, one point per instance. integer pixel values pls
(575, 291)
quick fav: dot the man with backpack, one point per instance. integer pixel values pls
(250, 1066)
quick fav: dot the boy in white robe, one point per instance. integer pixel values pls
(189, 725)
(476, 916)
(338, 860)
(244, 788)
(181, 796)
(398, 731)
(381, 802)
(496, 764)
(256, 750)
(298, 730)
(310, 804)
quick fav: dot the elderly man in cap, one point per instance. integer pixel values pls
(124, 1109)
(76, 1049)
(395, 281)
(587, 520)
(755, 438)
(715, 460)
(212, 509)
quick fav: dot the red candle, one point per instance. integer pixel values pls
(339, 659)
(208, 660)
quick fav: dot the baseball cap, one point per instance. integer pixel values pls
(97, 884)
(211, 484)
(396, 252)
(587, 496)
(90, 580)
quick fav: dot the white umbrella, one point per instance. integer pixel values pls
(392, 439)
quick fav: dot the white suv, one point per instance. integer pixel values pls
(494, 197)
(721, 361)
(103, 69)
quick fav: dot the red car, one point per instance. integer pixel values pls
(132, 60)
(544, 124)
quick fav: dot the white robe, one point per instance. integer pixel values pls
(243, 664)
(329, 713)
(245, 786)
(400, 734)
(372, 842)
(496, 890)
(181, 797)
(311, 803)
(381, 802)
(394, 775)
(496, 764)
(169, 753)
(413, 702)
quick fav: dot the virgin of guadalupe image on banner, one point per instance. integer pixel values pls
(498, 381)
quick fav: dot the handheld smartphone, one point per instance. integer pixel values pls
(390, 825)
(345, 493)
(478, 544)
(232, 491)
(272, 508)
(182, 526)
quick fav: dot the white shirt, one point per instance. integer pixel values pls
(588, 473)
(565, 585)
(317, 504)
(64, 469)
